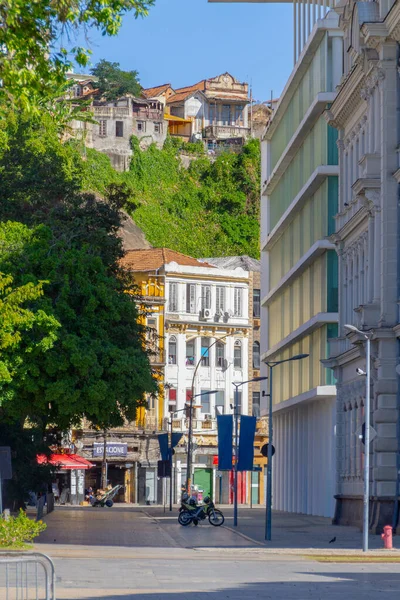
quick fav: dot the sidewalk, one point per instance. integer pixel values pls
(292, 533)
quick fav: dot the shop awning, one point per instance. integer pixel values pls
(175, 119)
(65, 461)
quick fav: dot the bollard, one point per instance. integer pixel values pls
(387, 537)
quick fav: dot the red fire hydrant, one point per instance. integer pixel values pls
(387, 537)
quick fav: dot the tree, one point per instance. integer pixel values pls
(113, 82)
(97, 367)
(35, 41)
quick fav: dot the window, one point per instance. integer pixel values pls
(173, 297)
(220, 301)
(256, 404)
(238, 302)
(172, 350)
(157, 127)
(77, 91)
(256, 355)
(237, 354)
(190, 352)
(205, 296)
(119, 128)
(171, 399)
(238, 114)
(256, 304)
(220, 402)
(226, 114)
(205, 352)
(190, 298)
(102, 128)
(212, 114)
(205, 402)
(219, 354)
(141, 126)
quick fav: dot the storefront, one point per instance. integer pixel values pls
(68, 485)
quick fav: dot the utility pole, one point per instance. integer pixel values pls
(104, 464)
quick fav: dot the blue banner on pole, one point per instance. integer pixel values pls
(176, 438)
(163, 441)
(246, 443)
(225, 431)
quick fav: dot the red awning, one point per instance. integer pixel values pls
(65, 461)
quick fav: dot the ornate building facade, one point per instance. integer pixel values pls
(365, 113)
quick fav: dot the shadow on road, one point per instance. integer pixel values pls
(303, 586)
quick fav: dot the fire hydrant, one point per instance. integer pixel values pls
(387, 537)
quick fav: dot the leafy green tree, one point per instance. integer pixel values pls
(35, 42)
(97, 367)
(114, 82)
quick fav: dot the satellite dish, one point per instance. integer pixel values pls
(79, 444)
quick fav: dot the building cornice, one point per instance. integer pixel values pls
(374, 33)
(309, 188)
(347, 100)
(315, 110)
(321, 392)
(392, 22)
(317, 321)
(318, 248)
(211, 278)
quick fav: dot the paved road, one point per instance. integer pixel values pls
(126, 553)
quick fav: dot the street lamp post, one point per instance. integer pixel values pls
(366, 336)
(236, 444)
(190, 432)
(268, 515)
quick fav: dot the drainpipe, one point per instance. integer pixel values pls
(396, 502)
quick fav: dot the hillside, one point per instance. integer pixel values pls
(209, 209)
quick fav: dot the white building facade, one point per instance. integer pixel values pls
(365, 113)
(206, 320)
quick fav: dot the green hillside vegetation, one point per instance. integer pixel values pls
(209, 209)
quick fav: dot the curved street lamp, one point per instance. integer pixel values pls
(268, 515)
(367, 335)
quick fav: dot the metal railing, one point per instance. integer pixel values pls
(21, 578)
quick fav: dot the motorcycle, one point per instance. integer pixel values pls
(193, 513)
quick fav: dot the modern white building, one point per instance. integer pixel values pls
(366, 115)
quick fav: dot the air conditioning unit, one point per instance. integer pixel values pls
(205, 314)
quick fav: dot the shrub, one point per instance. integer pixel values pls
(15, 532)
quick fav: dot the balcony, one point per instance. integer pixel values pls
(111, 111)
(157, 358)
(204, 425)
(225, 132)
(148, 115)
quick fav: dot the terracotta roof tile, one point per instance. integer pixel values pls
(155, 91)
(155, 258)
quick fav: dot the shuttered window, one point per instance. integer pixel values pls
(238, 302)
(190, 298)
(173, 297)
(205, 296)
(220, 301)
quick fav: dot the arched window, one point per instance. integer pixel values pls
(172, 350)
(237, 354)
(256, 355)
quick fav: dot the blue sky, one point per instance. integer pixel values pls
(184, 41)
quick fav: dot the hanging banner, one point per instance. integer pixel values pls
(176, 438)
(163, 441)
(225, 431)
(246, 443)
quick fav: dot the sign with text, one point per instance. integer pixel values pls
(115, 449)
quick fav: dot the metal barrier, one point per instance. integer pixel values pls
(20, 578)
